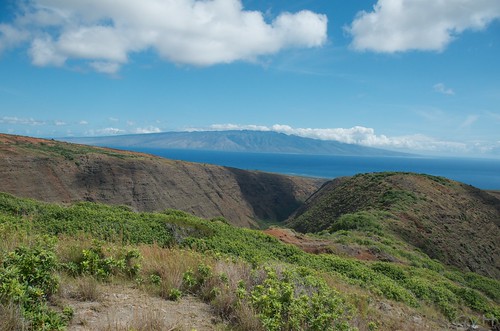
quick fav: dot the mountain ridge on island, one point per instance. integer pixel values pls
(234, 141)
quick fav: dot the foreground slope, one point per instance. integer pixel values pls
(61, 172)
(251, 280)
(452, 222)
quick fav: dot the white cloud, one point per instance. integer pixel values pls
(361, 136)
(403, 25)
(192, 32)
(114, 131)
(441, 88)
(20, 121)
(43, 52)
(105, 67)
(59, 123)
(224, 127)
(494, 116)
(11, 37)
(471, 119)
(149, 129)
(83, 122)
(109, 131)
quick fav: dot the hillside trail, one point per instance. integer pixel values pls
(121, 307)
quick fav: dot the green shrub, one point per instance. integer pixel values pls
(360, 221)
(174, 294)
(27, 279)
(291, 301)
(390, 270)
(94, 262)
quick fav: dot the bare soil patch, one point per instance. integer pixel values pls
(120, 307)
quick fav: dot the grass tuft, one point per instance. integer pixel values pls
(11, 318)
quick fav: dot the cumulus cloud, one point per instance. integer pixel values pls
(441, 88)
(359, 135)
(428, 25)
(192, 32)
(11, 36)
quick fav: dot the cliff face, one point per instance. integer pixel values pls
(60, 172)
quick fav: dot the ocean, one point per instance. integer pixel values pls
(481, 173)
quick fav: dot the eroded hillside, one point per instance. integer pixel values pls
(53, 171)
(452, 222)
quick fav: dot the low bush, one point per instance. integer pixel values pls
(360, 221)
(27, 280)
(94, 262)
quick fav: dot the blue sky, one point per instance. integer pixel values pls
(418, 75)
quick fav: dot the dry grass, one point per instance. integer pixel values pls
(151, 320)
(220, 290)
(86, 289)
(69, 249)
(226, 304)
(235, 272)
(10, 237)
(170, 265)
(11, 318)
(247, 319)
(227, 276)
(80, 288)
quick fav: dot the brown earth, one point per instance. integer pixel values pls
(455, 223)
(53, 171)
(121, 307)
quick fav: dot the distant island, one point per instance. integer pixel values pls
(234, 141)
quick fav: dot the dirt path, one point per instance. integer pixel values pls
(123, 308)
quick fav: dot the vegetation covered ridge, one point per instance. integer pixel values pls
(452, 222)
(252, 280)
